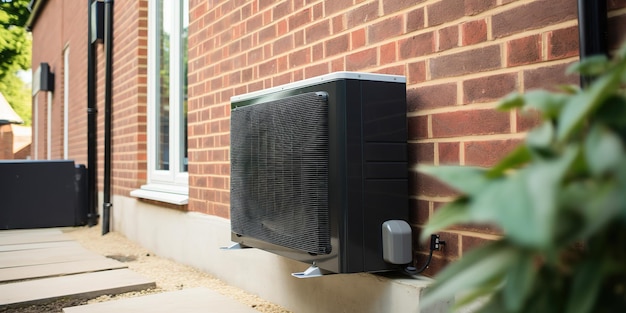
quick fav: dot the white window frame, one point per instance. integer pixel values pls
(171, 185)
(66, 101)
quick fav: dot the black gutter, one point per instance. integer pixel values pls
(92, 112)
(108, 63)
(592, 31)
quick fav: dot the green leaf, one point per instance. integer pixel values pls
(603, 150)
(519, 281)
(452, 213)
(587, 280)
(465, 179)
(541, 137)
(548, 103)
(477, 267)
(521, 155)
(511, 101)
(480, 294)
(581, 105)
(527, 197)
(591, 66)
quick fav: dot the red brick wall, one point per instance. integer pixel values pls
(130, 33)
(6, 142)
(459, 57)
(129, 87)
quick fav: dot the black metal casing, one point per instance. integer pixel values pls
(367, 166)
(38, 194)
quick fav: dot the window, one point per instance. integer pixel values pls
(168, 22)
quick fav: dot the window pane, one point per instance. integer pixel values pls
(163, 119)
(183, 107)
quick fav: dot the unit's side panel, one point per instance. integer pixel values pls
(385, 185)
(352, 210)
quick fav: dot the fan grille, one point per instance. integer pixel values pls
(279, 172)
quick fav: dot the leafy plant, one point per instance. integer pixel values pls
(559, 199)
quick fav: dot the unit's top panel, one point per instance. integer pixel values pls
(321, 79)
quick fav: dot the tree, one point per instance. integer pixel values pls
(15, 55)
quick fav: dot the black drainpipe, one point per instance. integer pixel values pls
(92, 112)
(108, 63)
(592, 31)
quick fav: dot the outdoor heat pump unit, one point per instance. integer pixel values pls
(319, 169)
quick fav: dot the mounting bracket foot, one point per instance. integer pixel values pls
(234, 246)
(312, 271)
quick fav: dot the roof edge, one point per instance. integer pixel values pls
(35, 7)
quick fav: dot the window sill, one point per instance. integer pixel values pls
(169, 194)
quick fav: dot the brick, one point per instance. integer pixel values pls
(385, 29)
(445, 11)
(548, 77)
(283, 45)
(473, 7)
(536, 14)
(388, 53)
(473, 32)
(466, 62)
(415, 20)
(424, 185)
(333, 6)
(483, 228)
(416, 72)
(362, 60)
(281, 10)
(522, 51)
(436, 265)
(430, 97)
(616, 38)
(337, 45)
(527, 120)
(419, 211)
(317, 31)
(362, 14)
(470, 122)
(317, 52)
(488, 153)
(449, 153)
(616, 4)
(418, 127)
(471, 242)
(563, 43)
(448, 38)
(490, 88)
(267, 33)
(338, 24)
(357, 38)
(316, 70)
(416, 46)
(298, 20)
(422, 153)
(392, 70)
(397, 5)
(300, 57)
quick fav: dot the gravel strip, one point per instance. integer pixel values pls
(167, 274)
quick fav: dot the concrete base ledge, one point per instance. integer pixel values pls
(195, 239)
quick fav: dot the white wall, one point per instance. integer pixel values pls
(195, 239)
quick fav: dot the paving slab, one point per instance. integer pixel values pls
(37, 245)
(58, 269)
(45, 256)
(14, 237)
(88, 285)
(186, 300)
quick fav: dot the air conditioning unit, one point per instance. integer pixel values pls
(318, 166)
